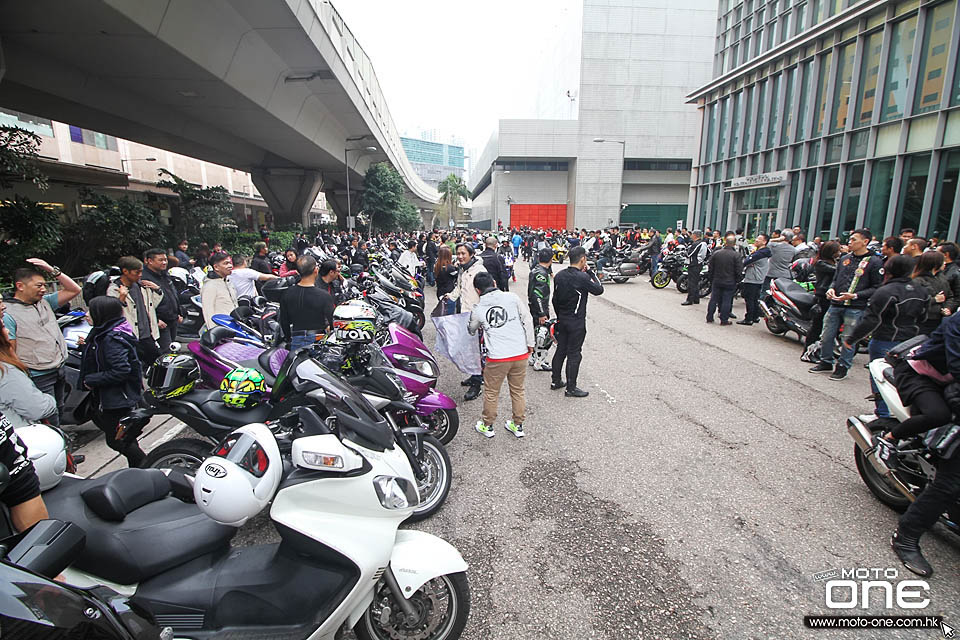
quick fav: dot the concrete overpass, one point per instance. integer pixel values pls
(279, 88)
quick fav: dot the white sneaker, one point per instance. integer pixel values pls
(484, 429)
(514, 428)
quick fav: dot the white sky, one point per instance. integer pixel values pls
(460, 65)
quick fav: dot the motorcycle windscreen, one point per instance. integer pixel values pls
(343, 399)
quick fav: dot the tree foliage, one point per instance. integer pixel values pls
(408, 218)
(383, 198)
(27, 230)
(108, 228)
(205, 212)
(18, 158)
(452, 190)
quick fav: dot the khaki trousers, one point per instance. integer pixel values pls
(493, 374)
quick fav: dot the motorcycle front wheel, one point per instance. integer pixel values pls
(660, 280)
(442, 606)
(444, 424)
(435, 485)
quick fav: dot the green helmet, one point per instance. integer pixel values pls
(242, 388)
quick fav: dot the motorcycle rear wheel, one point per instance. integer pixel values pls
(683, 285)
(660, 280)
(419, 316)
(186, 454)
(705, 287)
(433, 489)
(775, 326)
(877, 484)
(454, 609)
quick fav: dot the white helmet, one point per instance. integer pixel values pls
(238, 482)
(47, 450)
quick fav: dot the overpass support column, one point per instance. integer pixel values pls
(289, 192)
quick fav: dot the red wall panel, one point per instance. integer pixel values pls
(539, 216)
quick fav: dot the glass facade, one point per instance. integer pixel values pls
(858, 125)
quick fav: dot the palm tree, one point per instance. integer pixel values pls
(452, 189)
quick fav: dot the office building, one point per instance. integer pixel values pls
(831, 115)
(433, 161)
(626, 73)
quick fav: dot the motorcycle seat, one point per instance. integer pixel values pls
(795, 293)
(211, 407)
(134, 528)
(270, 362)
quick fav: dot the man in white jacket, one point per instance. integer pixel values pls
(508, 332)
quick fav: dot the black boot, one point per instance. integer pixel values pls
(907, 549)
(472, 393)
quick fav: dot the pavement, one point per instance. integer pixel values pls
(693, 494)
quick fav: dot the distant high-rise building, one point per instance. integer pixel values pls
(434, 161)
(831, 116)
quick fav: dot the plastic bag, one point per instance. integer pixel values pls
(456, 343)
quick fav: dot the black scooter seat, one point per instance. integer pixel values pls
(796, 294)
(134, 528)
(212, 408)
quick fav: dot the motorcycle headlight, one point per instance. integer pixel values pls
(419, 365)
(396, 493)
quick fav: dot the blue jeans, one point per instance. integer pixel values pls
(302, 340)
(654, 264)
(837, 315)
(878, 349)
(449, 307)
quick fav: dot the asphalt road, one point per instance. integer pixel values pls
(694, 494)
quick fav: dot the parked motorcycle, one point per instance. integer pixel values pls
(788, 307)
(899, 486)
(622, 267)
(341, 562)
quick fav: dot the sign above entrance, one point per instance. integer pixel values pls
(759, 180)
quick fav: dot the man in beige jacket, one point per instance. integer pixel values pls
(139, 299)
(218, 295)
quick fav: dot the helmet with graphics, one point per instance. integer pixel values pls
(354, 324)
(242, 388)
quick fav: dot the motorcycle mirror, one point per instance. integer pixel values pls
(325, 453)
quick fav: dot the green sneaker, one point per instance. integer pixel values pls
(515, 428)
(484, 430)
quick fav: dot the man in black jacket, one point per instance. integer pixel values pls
(430, 256)
(168, 311)
(654, 247)
(260, 262)
(726, 269)
(858, 276)
(570, 293)
(951, 270)
(697, 254)
(494, 264)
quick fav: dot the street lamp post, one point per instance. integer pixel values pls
(623, 147)
(123, 162)
(346, 170)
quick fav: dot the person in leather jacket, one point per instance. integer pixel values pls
(824, 269)
(951, 270)
(538, 287)
(894, 314)
(109, 367)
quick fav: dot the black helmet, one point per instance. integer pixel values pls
(172, 375)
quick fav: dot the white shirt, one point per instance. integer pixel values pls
(409, 261)
(669, 238)
(243, 280)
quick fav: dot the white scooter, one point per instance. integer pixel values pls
(918, 456)
(342, 562)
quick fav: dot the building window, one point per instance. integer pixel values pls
(657, 165)
(748, 93)
(898, 69)
(788, 106)
(914, 186)
(821, 101)
(722, 131)
(828, 198)
(761, 111)
(93, 138)
(527, 165)
(711, 121)
(841, 91)
(881, 182)
(792, 200)
(834, 149)
(775, 106)
(945, 195)
(869, 72)
(39, 126)
(807, 71)
(934, 56)
(858, 144)
(851, 200)
(810, 182)
(735, 124)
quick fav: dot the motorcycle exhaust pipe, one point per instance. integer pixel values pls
(766, 310)
(864, 440)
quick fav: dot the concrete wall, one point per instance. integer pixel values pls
(637, 65)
